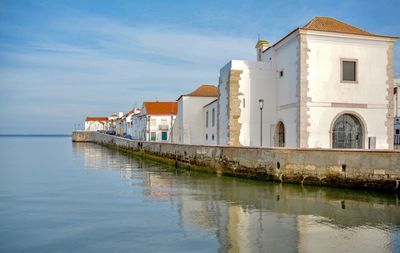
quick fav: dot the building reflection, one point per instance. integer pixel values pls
(248, 216)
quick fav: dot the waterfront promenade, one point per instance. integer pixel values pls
(361, 169)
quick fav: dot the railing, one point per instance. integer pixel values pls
(396, 139)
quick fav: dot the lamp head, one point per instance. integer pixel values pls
(261, 103)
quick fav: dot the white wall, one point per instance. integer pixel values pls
(256, 82)
(159, 124)
(210, 134)
(223, 119)
(144, 125)
(139, 127)
(191, 120)
(94, 125)
(325, 86)
(286, 58)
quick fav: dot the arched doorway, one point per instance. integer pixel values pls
(280, 135)
(347, 132)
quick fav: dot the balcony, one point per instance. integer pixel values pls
(396, 139)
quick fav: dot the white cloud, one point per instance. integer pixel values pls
(118, 66)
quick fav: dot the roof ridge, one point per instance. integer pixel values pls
(329, 24)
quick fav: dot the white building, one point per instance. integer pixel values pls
(190, 122)
(326, 84)
(119, 124)
(154, 122)
(96, 123)
(124, 122)
(210, 122)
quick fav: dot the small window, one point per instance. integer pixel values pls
(206, 137)
(281, 73)
(213, 117)
(212, 136)
(207, 119)
(244, 103)
(152, 136)
(349, 71)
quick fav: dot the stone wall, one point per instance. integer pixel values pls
(362, 169)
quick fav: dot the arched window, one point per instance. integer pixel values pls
(280, 135)
(347, 132)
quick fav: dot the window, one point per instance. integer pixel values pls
(213, 117)
(397, 131)
(206, 137)
(207, 119)
(164, 136)
(152, 136)
(349, 71)
(281, 73)
(244, 103)
(212, 136)
(153, 122)
(280, 135)
(347, 132)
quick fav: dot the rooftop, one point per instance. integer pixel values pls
(327, 24)
(96, 119)
(205, 90)
(161, 108)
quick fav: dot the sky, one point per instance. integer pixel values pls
(61, 61)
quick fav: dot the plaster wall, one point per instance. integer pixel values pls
(254, 82)
(367, 98)
(94, 125)
(191, 121)
(210, 133)
(223, 105)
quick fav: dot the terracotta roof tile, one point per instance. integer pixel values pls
(327, 24)
(96, 119)
(161, 108)
(204, 91)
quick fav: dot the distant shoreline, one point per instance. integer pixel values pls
(35, 135)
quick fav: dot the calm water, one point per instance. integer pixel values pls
(57, 196)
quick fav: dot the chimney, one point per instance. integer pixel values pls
(260, 47)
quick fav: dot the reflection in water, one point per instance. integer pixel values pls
(247, 216)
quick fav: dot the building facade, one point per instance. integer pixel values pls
(190, 122)
(210, 123)
(154, 122)
(325, 85)
(96, 123)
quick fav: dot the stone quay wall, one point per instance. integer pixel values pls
(361, 169)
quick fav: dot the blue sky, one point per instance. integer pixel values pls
(63, 60)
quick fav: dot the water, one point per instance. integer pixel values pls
(58, 196)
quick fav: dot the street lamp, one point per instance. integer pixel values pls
(261, 103)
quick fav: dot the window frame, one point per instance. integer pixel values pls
(213, 117)
(207, 119)
(342, 60)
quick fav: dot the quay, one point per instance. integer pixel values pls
(377, 170)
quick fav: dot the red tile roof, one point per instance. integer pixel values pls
(205, 90)
(161, 108)
(96, 119)
(327, 24)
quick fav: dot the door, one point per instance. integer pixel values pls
(164, 136)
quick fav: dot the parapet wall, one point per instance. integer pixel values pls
(362, 169)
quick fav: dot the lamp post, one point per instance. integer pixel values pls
(261, 103)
